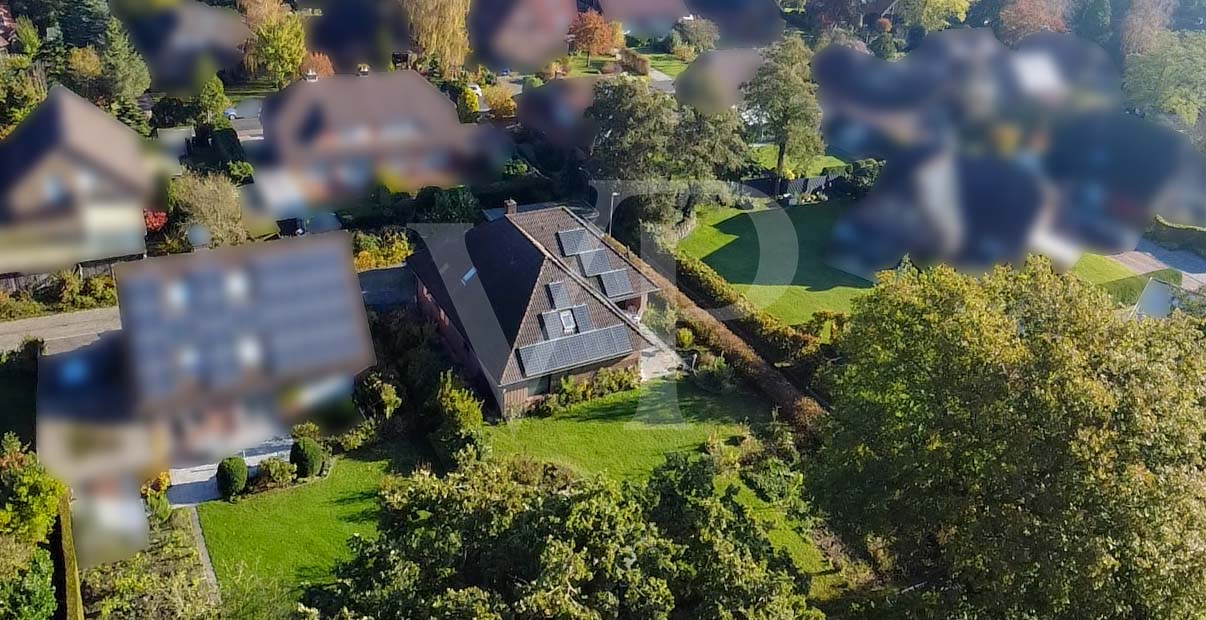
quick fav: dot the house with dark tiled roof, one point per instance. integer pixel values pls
(187, 37)
(532, 297)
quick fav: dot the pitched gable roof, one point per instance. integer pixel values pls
(68, 123)
(502, 290)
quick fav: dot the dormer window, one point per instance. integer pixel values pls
(568, 325)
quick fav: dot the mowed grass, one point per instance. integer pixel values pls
(767, 156)
(627, 435)
(1120, 282)
(297, 535)
(661, 61)
(775, 256)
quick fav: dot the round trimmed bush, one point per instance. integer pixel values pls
(232, 476)
(307, 455)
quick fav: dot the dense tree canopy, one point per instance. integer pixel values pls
(1022, 450)
(708, 146)
(83, 22)
(1024, 17)
(521, 540)
(1170, 78)
(931, 14)
(210, 200)
(701, 34)
(439, 29)
(635, 123)
(591, 34)
(126, 75)
(280, 48)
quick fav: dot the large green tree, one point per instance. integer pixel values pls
(635, 124)
(708, 146)
(1020, 449)
(280, 47)
(523, 540)
(210, 200)
(1170, 78)
(126, 75)
(84, 22)
(782, 98)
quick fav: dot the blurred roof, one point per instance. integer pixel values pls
(713, 81)
(520, 34)
(224, 323)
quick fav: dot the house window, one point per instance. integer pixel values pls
(567, 322)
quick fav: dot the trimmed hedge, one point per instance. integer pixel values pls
(1177, 236)
(307, 455)
(232, 476)
(71, 601)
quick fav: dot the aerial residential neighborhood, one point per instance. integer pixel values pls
(589, 309)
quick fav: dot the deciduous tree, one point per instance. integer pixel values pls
(591, 34)
(84, 71)
(28, 39)
(708, 146)
(256, 13)
(1016, 429)
(280, 47)
(1145, 24)
(1024, 17)
(701, 34)
(635, 124)
(1094, 21)
(439, 29)
(319, 63)
(782, 97)
(931, 14)
(210, 200)
(501, 102)
(1170, 77)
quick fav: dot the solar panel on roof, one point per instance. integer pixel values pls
(594, 262)
(558, 295)
(575, 241)
(582, 317)
(576, 350)
(616, 283)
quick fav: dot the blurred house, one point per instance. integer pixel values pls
(1160, 299)
(329, 139)
(713, 81)
(742, 22)
(73, 185)
(556, 111)
(189, 39)
(218, 350)
(355, 32)
(642, 18)
(530, 298)
(522, 35)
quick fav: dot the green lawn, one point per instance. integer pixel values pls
(298, 534)
(1121, 283)
(578, 65)
(666, 63)
(730, 241)
(626, 435)
(767, 156)
(251, 88)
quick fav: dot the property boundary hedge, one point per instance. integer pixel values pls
(67, 569)
(1177, 236)
(796, 408)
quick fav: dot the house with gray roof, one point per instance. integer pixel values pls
(532, 297)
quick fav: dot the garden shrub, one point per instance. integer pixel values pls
(240, 171)
(307, 456)
(610, 68)
(714, 374)
(774, 480)
(685, 53)
(29, 495)
(455, 406)
(274, 473)
(304, 430)
(671, 41)
(661, 318)
(571, 391)
(358, 436)
(227, 147)
(19, 305)
(29, 594)
(635, 62)
(159, 507)
(685, 339)
(376, 396)
(389, 248)
(232, 476)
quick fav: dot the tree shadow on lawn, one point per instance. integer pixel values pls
(670, 402)
(737, 261)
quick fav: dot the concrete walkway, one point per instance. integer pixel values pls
(198, 484)
(1148, 257)
(69, 325)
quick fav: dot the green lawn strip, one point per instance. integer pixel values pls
(252, 88)
(297, 535)
(728, 241)
(767, 156)
(666, 63)
(1120, 282)
(578, 65)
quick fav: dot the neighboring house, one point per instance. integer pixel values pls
(329, 139)
(179, 42)
(556, 112)
(355, 32)
(643, 18)
(713, 81)
(218, 350)
(530, 298)
(522, 35)
(73, 185)
(742, 22)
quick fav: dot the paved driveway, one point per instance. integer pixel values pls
(1148, 257)
(58, 329)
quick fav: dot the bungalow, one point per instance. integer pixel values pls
(520, 34)
(530, 298)
(329, 139)
(73, 185)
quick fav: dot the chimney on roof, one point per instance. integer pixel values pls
(311, 75)
(362, 69)
(510, 207)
